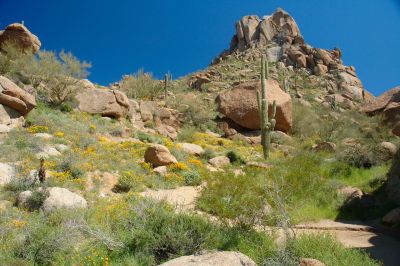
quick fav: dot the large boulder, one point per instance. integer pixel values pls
(387, 104)
(240, 105)
(19, 35)
(159, 155)
(220, 258)
(59, 198)
(109, 103)
(15, 98)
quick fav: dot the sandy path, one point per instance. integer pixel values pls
(353, 235)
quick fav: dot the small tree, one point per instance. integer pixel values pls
(54, 76)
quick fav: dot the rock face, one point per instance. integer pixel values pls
(240, 105)
(15, 98)
(18, 34)
(221, 258)
(109, 103)
(251, 31)
(62, 198)
(388, 105)
(159, 155)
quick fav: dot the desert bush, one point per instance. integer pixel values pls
(186, 133)
(306, 122)
(127, 182)
(141, 85)
(198, 112)
(357, 156)
(240, 199)
(36, 200)
(234, 157)
(192, 178)
(142, 136)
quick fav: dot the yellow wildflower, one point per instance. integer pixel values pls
(38, 129)
(59, 134)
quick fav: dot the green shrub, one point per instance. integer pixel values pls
(192, 178)
(127, 182)
(357, 156)
(240, 199)
(36, 200)
(141, 85)
(234, 157)
(142, 136)
(328, 250)
(186, 134)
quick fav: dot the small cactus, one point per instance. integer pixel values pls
(267, 125)
(166, 86)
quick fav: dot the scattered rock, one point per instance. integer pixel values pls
(280, 137)
(350, 192)
(392, 217)
(15, 98)
(220, 258)
(259, 165)
(219, 161)
(109, 103)
(310, 262)
(161, 170)
(5, 205)
(192, 149)
(159, 155)
(18, 34)
(7, 172)
(62, 148)
(59, 198)
(325, 146)
(44, 136)
(240, 105)
(47, 152)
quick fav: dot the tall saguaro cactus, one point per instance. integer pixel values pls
(267, 124)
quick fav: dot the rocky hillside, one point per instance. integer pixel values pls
(150, 172)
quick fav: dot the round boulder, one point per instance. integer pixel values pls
(159, 155)
(59, 198)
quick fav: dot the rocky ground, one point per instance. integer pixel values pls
(144, 172)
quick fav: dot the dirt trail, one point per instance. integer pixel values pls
(353, 235)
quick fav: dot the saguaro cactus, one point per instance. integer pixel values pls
(267, 124)
(167, 80)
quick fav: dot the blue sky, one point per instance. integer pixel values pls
(119, 37)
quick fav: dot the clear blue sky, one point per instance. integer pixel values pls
(119, 37)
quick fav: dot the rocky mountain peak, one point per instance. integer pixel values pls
(251, 31)
(278, 37)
